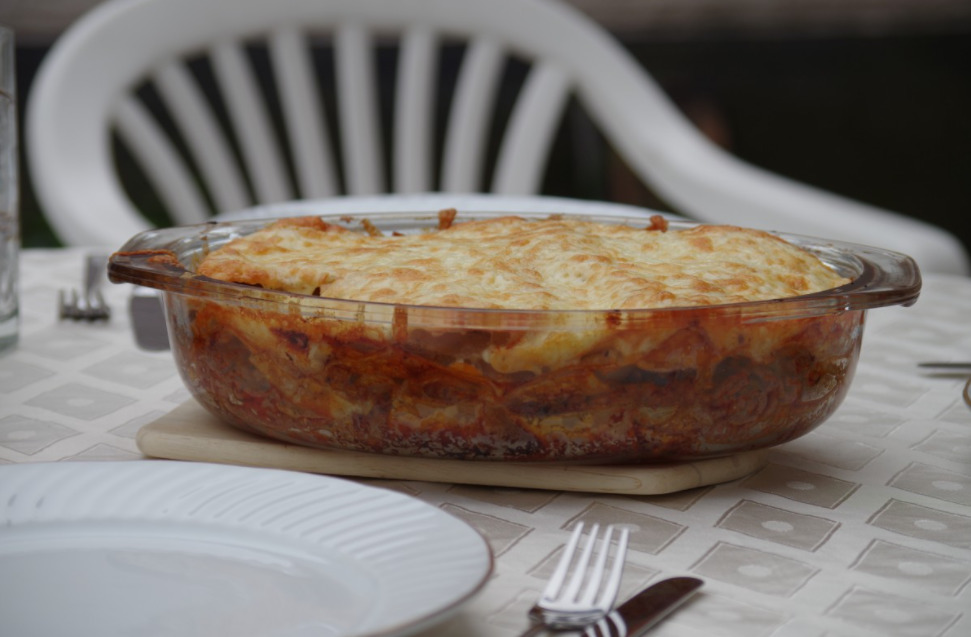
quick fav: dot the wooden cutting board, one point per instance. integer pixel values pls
(189, 432)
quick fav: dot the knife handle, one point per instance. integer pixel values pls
(645, 609)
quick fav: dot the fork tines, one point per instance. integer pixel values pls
(78, 307)
(587, 593)
(89, 305)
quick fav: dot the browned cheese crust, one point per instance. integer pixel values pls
(515, 263)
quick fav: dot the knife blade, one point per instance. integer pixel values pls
(645, 609)
(148, 319)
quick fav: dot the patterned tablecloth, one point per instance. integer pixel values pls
(861, 528)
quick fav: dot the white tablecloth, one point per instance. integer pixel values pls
(860, 528)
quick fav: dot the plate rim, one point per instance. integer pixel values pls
(55, 476)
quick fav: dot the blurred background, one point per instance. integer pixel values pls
(867, 98)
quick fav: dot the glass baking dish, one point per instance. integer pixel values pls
(592, 386)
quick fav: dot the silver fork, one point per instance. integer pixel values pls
(89, 304)
(587, 595)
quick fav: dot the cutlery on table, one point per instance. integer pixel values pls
(148, 319)
(955, 366)
(590, 591)
(89, 304)
(959, 367)
(645, 609)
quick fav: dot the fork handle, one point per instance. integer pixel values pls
(94, 272)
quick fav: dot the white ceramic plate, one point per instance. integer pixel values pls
(183, 549)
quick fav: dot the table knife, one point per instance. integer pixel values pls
(959, 366)
(148, 319)
(642, 611)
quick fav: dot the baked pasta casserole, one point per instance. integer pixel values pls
(513, 338)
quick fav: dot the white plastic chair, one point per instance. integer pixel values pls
(92, 84)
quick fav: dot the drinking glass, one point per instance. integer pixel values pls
(9, 194)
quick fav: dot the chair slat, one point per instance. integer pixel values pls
(358, 110)
(161, 162)
(201, 132)
(251, 122)
(464, 151)
(414, 111)
(526, 143)
(303, 114)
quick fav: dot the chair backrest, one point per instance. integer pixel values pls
(181, 85)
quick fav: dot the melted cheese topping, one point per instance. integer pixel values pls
(514, 263)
